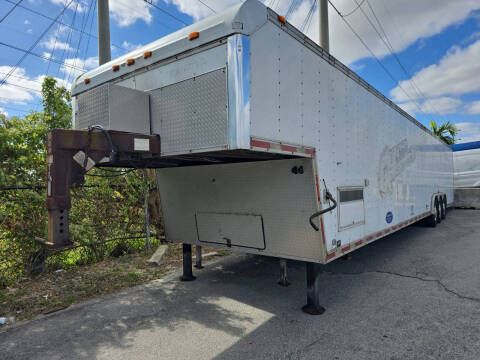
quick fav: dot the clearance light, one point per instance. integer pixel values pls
(147, 54)
(86, 81)
(130, 62)
(282, 19)
(194, 35)
(116, 67)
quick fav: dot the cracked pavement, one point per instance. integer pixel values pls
(412, 295)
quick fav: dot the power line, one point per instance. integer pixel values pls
(10, 11)
(308, 18)
(3, 81)
(69, 38)
(151, 3)
(84, 24)
(37, 55)
(389, 46)
(60, 22)
(291, 7)
(373, 54)
(201, 2)
(354, 10)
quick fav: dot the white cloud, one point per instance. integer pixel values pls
(129, 46)
(410, 107)
(469, 131)
(127, 12)
(474, 107)
(2, 111)
(198, 11)
(404, 21)
(455, 74)
(21, 88)
(441, 105)
(79, 6)
(54, 43)
(74, 66)
(24, 91)
(30, 31)
(26, 22)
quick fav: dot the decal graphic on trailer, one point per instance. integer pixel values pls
(389, 217)
(393, 162)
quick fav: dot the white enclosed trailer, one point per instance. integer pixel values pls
(261, 130)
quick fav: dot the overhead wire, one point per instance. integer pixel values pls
(10, 11)
(34, 54)
(22, 58)
(60, 22)
(373, 54)
(68, 40)
(201, 2)
(80, 38)
(308, 19)
(392, 51)
(151, 3)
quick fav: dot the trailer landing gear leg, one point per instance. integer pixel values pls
(187, 263)
(313, 306)
(283, 273)
(198, 257)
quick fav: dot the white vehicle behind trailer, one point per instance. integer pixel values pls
(262, 133)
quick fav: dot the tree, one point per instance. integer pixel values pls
(446, 131)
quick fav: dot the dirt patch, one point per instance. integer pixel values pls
(50, 292)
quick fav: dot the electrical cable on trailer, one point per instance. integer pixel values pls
(329, 197)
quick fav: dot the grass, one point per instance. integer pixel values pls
(53, 291)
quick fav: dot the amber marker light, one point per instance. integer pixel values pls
(86, 81)
(194, 35)
(147, 54)
(282, 19)
(130, 62)
(116, 67)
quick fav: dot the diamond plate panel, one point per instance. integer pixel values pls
(92, 108)
(191, 115)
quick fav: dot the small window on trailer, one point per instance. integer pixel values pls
(351, 207)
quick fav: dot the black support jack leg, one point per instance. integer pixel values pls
(313, 306)
(187, 263)
(283, 273)
(198, 257)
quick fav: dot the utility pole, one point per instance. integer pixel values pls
(104, 54)
(324, 40)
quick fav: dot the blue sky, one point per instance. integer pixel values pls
(436, 41)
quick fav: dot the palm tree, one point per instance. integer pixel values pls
(446, 131)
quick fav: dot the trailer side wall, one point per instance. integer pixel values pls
(362, 144)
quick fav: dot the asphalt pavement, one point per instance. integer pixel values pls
(412, 295)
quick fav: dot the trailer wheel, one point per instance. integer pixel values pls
(438, 209)
(443, 208)
(444, 200)
(433, 219)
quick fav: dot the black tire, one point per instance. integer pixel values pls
(444, 198)
(438, 209)
(432, 220)
(443, 208)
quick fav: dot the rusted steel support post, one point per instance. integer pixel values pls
(72, 153)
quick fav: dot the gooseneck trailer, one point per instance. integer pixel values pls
(263, 143)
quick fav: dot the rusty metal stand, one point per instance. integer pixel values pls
(187, 263)
(313, 306)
